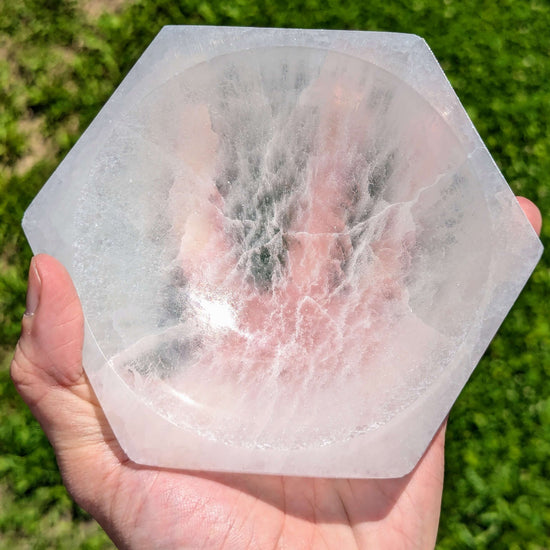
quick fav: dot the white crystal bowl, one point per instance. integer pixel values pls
(290, 252)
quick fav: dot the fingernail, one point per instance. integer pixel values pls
(33, 291)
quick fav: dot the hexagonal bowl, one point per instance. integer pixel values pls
(291, 248)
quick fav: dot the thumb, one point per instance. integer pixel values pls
(47, 372)
(50, 348)
(47, 365)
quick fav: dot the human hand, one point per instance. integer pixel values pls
(145, 507)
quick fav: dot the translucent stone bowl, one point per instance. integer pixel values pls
(291, 248)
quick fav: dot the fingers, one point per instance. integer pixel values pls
(532, 212)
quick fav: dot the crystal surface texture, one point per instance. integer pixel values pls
(291, 248)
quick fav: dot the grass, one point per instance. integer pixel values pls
(60, 61)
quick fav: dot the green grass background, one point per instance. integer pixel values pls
(60, 61)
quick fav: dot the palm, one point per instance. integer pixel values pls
(174, 509)
(236, 511)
